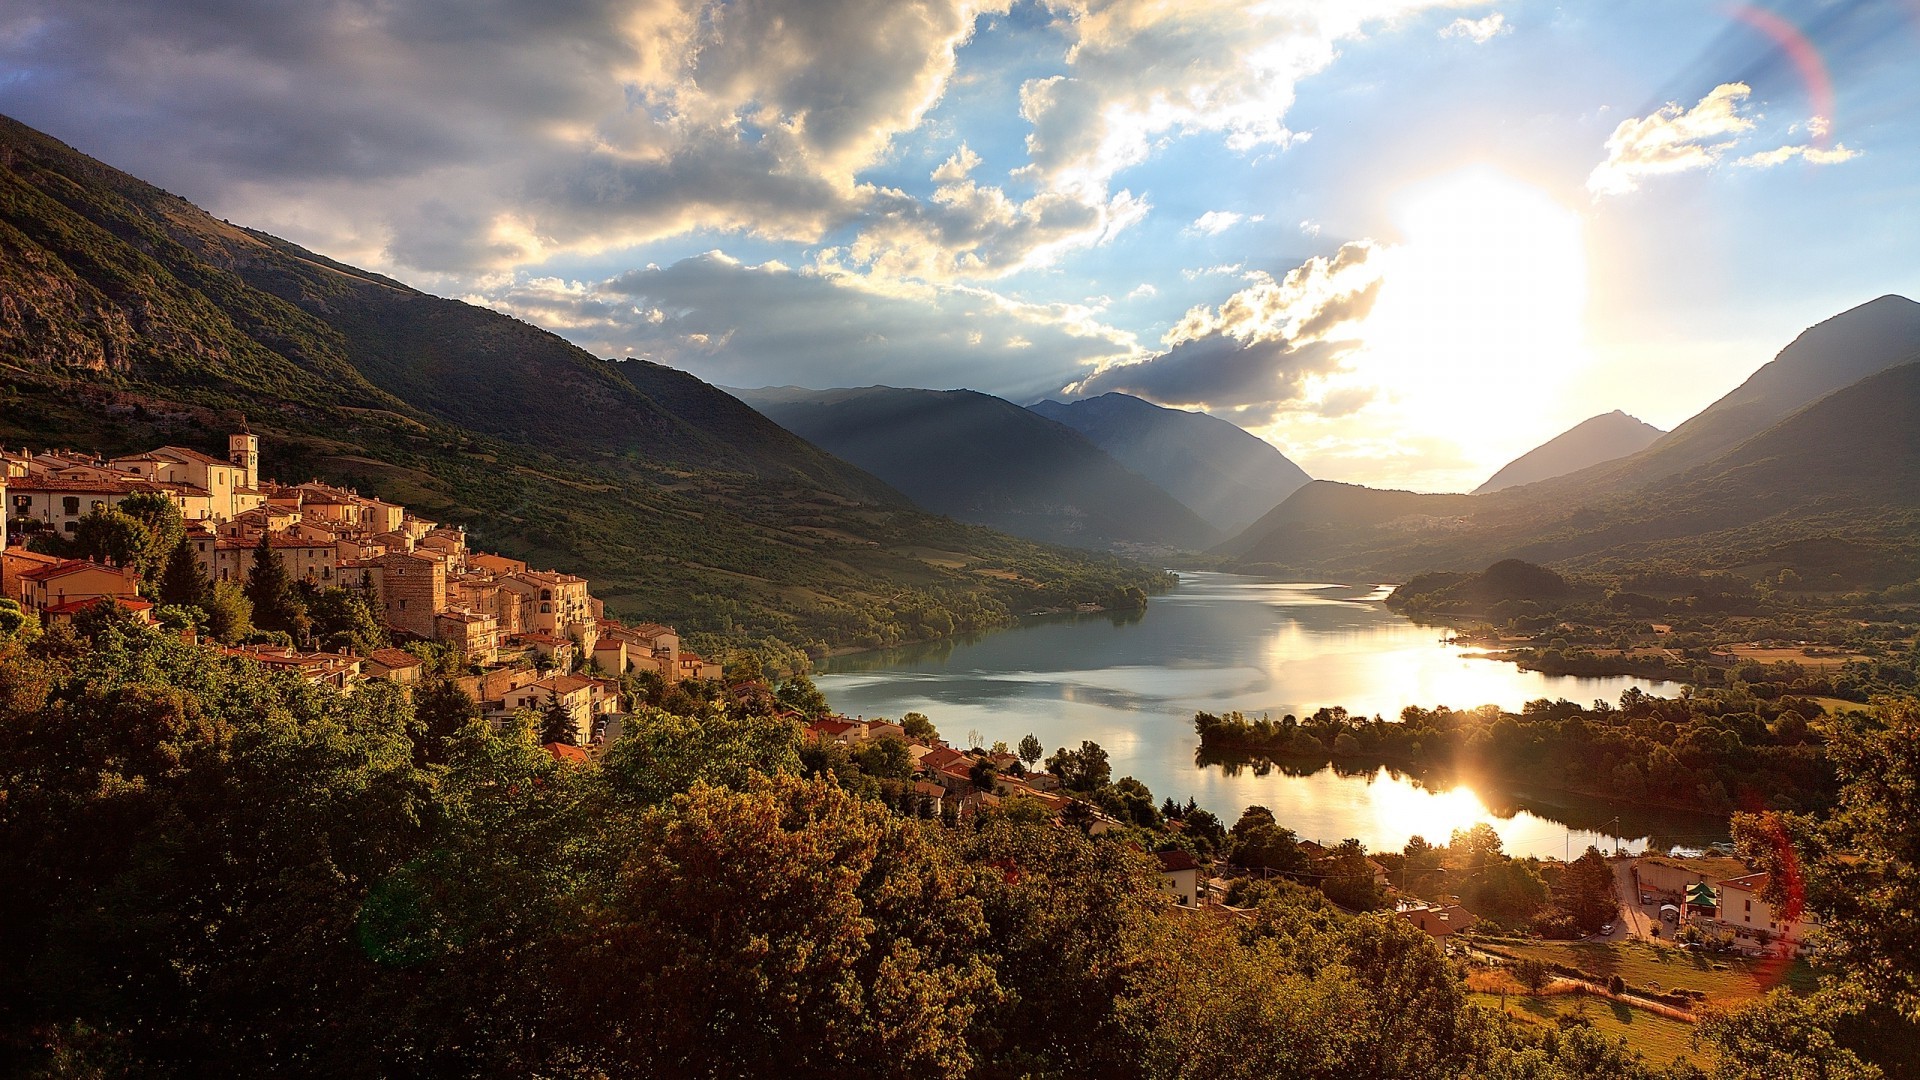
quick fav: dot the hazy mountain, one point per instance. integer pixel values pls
(1832, 491)
(979, 458)
(1590, 442)
(130, 318)
(1837, 352)
(1228, 477)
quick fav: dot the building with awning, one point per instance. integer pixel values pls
(1701, 900)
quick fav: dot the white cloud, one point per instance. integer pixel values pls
(1215, 222)
(1812, 155)
(1672, 139)
(1143, 290)
(1478, 31)
(1264, 349)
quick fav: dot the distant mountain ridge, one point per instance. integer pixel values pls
(1831, 486)
(1226, 474)
(983, 459)
(1592, 441)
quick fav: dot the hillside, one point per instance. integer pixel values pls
(1226, 475)
(130, 318)
(1832, 492)
(984, 460)
(1836, 352)
(1590, 442)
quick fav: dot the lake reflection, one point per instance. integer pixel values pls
(1221, 642)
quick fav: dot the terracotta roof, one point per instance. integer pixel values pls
(80, 485)
(71, 566)
(74, 606)
(395, 659)
(943, 756)
(833, 727)
(29, 555)
(1175, 861)
(1752, 883)
(572, 755)
(181, 453)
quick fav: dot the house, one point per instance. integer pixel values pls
(1179, 877)
(477, 636)
(1744, 910)
(396, 666)
(565, 754)
(1438, 920)
(14, 562)
(48, 587)
(60, 613)
(583, 699)
(413, 588)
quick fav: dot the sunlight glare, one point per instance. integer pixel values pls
(1480, 315)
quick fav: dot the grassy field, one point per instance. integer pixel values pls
(1661, 967)
(1657, 1038)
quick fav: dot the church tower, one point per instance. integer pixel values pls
(244, 450)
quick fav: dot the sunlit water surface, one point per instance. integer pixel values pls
(1221, 642)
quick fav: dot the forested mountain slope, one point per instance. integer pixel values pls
(1227, 475)
(129, 317)
(986, 460)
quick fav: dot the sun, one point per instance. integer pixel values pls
(1481, 306)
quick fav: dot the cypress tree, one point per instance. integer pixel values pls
(182, 581)
(270, 588)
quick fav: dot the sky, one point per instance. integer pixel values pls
(1402, 240)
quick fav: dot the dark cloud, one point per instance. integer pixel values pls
(742, 325)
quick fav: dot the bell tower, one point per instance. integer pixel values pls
(243, 449)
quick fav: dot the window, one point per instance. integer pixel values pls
(403, 605)
(1749, 905)
(546, 594)
(70, 505)
(69, 526)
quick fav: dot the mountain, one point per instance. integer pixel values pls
(1590, 442)
(1831, 491)
(985, 460)
(1837, 352)
(131, 318)
(1228, 477)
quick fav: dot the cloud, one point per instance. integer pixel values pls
(1812, 155)
(1215, 222)
(470, 136)
(770, 324)
(1143, 290)
(1672, 139)
(1478, 31)
(1262, 349)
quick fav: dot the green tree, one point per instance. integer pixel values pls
(229, 613)
(182, 581)
(106, 535)
(1585, 892)
(799, 694)
(1031, 750)
(1085, 769)
(917, 726)
(270, 589)
(166, 530)
(557, 724)
(855, 946)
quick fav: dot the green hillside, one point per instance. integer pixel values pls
(128, 317)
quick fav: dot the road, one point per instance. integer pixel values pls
(1636, 920)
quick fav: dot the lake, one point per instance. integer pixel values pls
(1221, 642)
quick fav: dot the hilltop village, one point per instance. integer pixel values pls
(521, 637)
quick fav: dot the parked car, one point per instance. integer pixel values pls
(1646, 898)
(1607, 930)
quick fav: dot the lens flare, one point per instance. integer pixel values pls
(1806, 59)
